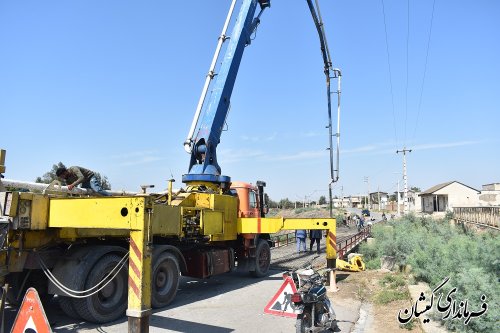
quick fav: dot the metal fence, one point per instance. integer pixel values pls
(486, 216)
(346, 244)
(283, 239)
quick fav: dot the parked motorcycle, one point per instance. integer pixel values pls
(314, 311)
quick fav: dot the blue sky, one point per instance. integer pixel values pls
(113, 86)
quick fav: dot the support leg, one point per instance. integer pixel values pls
(139, 283)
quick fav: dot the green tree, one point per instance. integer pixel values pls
(415, 189)
(286, 203)
(50, 176)
(270, 202)
(103, 180)
(322, 200)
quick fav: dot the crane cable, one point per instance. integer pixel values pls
(74, 293)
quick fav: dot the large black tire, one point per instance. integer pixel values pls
(165, 279)
(66, 305)
(109, 303)
(262, 259)
(304, 322)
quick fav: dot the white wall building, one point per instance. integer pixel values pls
(490, 195)
(445, 196)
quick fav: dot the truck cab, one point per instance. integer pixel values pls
(251, 199)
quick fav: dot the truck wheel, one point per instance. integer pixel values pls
(66, 305)
(109, 303)
(262, 259)
(165, 277)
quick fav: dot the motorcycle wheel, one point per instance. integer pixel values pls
(304, 322)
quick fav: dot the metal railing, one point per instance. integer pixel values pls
(346, 244)
(283, 239)
(485, 216)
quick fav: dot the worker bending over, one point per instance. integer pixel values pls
(75, 175)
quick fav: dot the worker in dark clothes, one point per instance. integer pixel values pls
(75, 175)
(315, 236)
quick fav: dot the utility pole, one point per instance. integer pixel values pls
(342, 196)
(367, 180)
(399, 209)
(378, 193)
(405, 179)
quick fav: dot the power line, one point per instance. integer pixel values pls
(390, 75)
(425, 71)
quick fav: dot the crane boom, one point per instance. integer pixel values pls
(203, 166)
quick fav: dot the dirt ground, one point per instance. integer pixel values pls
(361, 287)
(364, 286)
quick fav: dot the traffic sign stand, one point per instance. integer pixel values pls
(31, 316)
(281, 304)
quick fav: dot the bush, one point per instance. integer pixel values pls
(436, 251)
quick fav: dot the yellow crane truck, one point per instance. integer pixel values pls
(79, 246)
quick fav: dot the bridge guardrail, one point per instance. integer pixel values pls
(486, 216)
(346, 244)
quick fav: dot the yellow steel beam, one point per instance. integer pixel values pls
(100, 213)
(272, 225)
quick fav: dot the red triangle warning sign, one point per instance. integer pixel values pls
(281, 304)
(31, 316)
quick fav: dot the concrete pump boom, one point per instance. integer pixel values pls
(203, 166)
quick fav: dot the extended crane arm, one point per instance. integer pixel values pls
(203, 166)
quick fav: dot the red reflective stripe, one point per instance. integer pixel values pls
(134, 247)
(135, 269)
(132, 285)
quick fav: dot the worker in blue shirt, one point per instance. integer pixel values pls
(301, 235)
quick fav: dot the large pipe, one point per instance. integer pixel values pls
(31, 186)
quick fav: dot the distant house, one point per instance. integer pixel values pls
(355, 201)
(490, 195)
(375, 197)
(445, 196)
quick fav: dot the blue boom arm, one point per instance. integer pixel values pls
(203, 166)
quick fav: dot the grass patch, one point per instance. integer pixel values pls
(387, 296)
(393, 281)
(393, 289)
(362, 290)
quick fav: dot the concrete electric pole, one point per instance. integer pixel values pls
(367, 180)
(342, 196)
(399, 203)
(405, 180)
